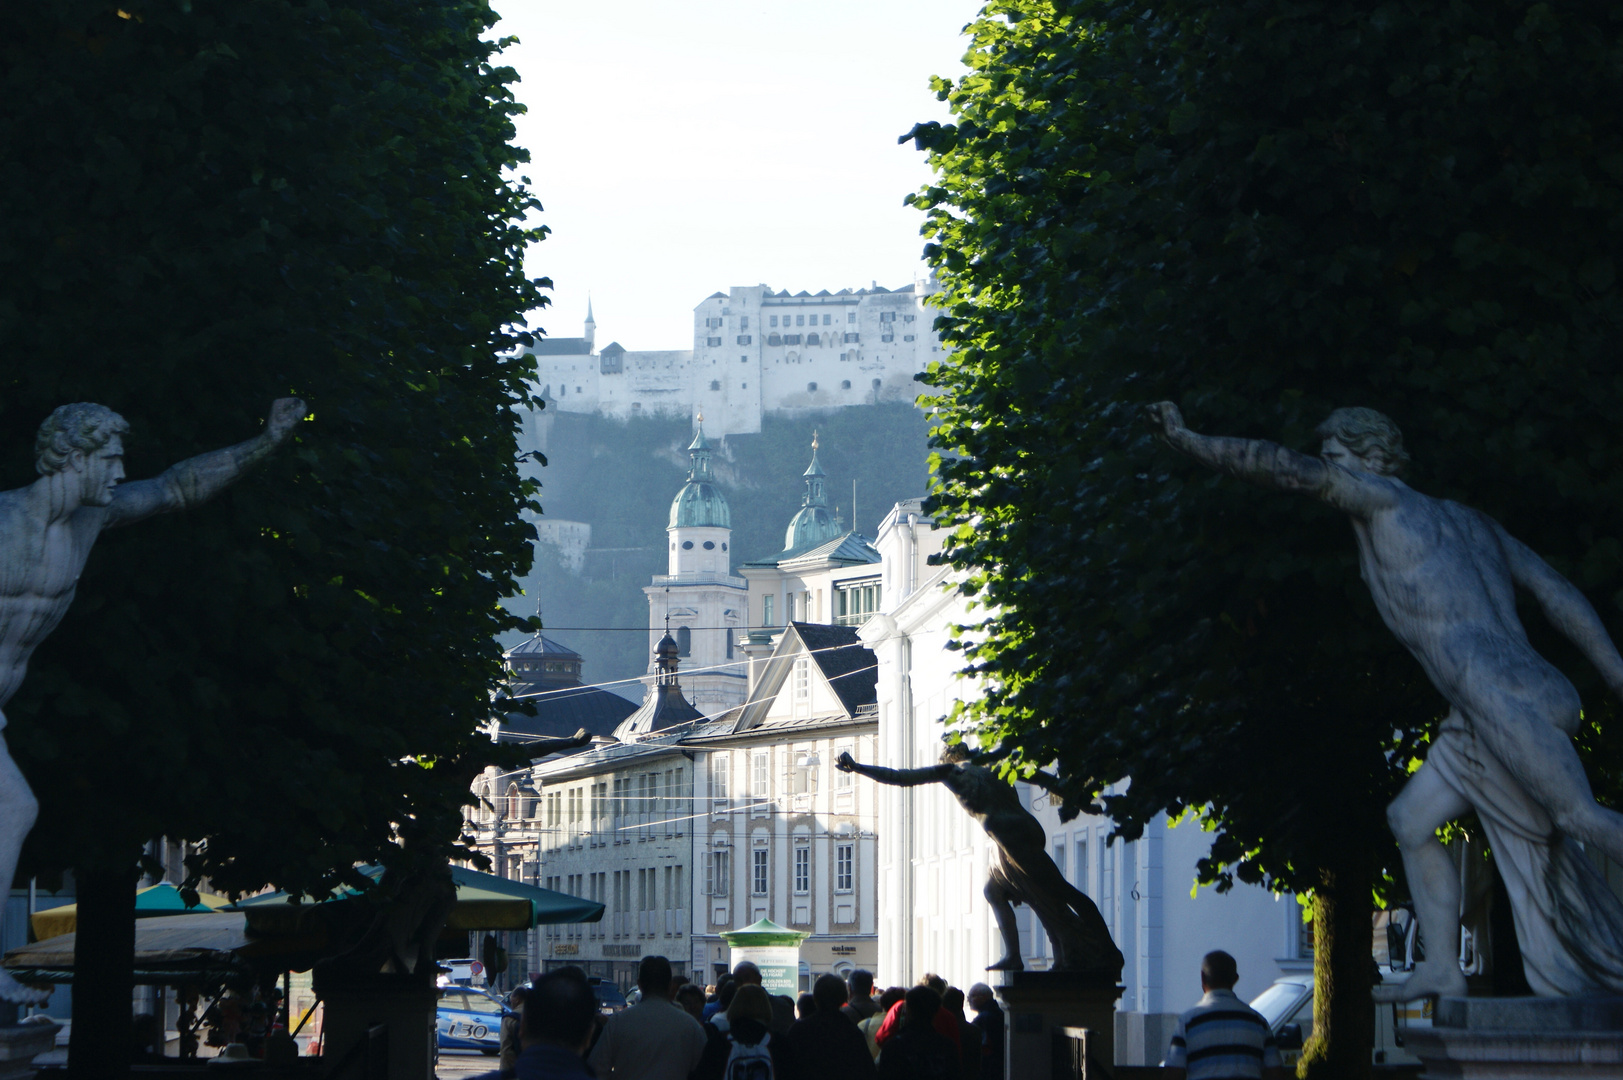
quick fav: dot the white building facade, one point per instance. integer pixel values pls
(933, 863)
(755, 351)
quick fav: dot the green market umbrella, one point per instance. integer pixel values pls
(153, 901)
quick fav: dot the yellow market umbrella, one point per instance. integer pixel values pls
(152, 901)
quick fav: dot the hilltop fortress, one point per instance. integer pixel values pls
(754, 352)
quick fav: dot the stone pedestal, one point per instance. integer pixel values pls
(386, 1021)
(20, 1044)
(1522, 1037)
(1041, 1006)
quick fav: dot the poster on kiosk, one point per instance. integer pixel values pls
(772, 948)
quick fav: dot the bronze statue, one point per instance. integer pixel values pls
(1022, 873)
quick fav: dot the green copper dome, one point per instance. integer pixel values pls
(700, 503)
(813, 523)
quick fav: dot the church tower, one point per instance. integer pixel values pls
(813, 523)
(705, 604)
(591, 326)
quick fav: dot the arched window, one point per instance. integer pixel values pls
(515, 803)
(814, 339)
(811, 387)
(684, 641)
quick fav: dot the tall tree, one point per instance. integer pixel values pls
(1263, 210)
(204, 205)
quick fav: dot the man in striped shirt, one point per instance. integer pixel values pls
(1222, 1038)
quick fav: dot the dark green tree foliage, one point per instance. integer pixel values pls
(204, 205)
(1262, 210)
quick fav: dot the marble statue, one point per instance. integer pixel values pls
(1022, 873)
(46, 532)
(1444, 577)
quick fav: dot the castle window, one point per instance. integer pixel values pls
(577, 389)
(743, 322)
(814, 339)
(827, 319)
(712, 341)
(774, 320)
(811, 387)
(743, 359)
(876, 384)
(850, 316)
(791, 339)
(852, 339)
(845, 384)
(744, 339)
(684, 641)
(774, 339)
(907, 337)
(715, 384)
(800, 320)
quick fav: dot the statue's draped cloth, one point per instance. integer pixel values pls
(1569, 923)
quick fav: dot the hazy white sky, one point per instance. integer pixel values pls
(682, 147)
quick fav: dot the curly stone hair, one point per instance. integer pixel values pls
(1369, 434)
(82, 426)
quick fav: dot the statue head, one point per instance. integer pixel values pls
(86, 439)
(1364, 440)
(955, 754)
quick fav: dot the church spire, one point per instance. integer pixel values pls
(591, 323)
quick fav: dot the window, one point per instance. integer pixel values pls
(852, 339)
(811, 387)
(758, 884)
(842, 867)
(577, 389)
(887, 316)
(774, 320)
(876, 384)
(743, 322)
(718, 775)
(766, 610)
(850, 316)
(515, 803)
(800, 320)
(712, 341)
(715, 384)
(1081, 868)
(774, 339)
(814, 340)
(687, 545)
(791, 339)
(684, 641)
(844, 781)
(887, 337)
(788, 608)
(802, 679)
(744, 339)
(802, 869)
(856, 602)
(717, 873)
(712, 322)
(827, 319)
(710, 545)
(907, 337)
(758, 770)
(845, 384)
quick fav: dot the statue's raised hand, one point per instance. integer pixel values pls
(284, 413)
(845, 762)
(1167, 415)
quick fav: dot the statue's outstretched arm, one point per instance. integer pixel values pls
(897, 777)
(1270, 465)
(198, 479)
(1568, 610)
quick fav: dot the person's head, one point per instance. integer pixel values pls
(654, 977)
(953, 1001)
(515, 998)
(1364, 440)
(891, 996)
(805, 1006)
(690, 997)
(922, 1005)
(981, 997)
(750, 1003)
(729, 989)
(560, 1008)
(677, 982)
(1217, 971)
(936, 983)
(829, 990)
(861, 984)
(86, 440)
(747, 973)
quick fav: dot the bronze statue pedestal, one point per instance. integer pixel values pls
(1521, 1038)
(1057, 1021)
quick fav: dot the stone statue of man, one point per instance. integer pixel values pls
(1022, 873)
(46, 532)
(1444, 577)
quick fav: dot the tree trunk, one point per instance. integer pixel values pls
(103, 973)
(1343, 974)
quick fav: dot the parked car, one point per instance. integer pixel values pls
(1287, 1005)
(465, 970)
(609, 997)
(469, 1019)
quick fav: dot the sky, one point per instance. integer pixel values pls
(680, 148)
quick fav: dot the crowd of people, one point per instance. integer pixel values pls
(737, 1030)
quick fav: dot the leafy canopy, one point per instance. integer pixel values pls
(1263, 210)
(205, 204)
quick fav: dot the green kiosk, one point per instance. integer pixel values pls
(772, 948)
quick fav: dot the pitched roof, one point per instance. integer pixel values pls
(563, 346)
(540, 645)
(560, 713)
(848, 548)
(851, 669)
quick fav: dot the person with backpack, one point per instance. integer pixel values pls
(741, 1046)
(917, 1051)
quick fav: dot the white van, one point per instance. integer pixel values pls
(1287, 1005)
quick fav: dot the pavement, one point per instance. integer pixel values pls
(460, 1063)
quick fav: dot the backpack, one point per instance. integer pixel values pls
(746, 1061)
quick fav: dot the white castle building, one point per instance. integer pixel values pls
(755, 351)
